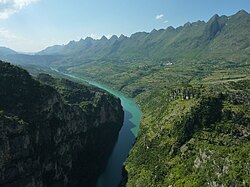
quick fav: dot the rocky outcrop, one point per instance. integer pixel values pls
(183, 93)
(50, 137)
(213, 27)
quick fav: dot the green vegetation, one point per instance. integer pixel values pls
(76, 94)
(193, 85)
(221, 37)
(193, 137)
(195, 102)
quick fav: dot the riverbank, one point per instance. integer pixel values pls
(112, 173)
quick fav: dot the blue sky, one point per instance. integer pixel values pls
(32, 25)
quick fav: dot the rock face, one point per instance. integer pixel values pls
(57, 135)
(214, 26)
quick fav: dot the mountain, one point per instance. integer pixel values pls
(54, 132)
(51, 50)
(87, 48)
(6, 51)
(193, 40)
(221, 38)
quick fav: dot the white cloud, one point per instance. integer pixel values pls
(3, 1)
(5, 34)
(4, 14)
(166, 21)
(20, 4)
(10, 7)
(158, 17)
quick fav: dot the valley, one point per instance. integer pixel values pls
(189, 112)
(112, 173)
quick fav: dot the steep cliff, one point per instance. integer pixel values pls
(53, 135)
(193, 136)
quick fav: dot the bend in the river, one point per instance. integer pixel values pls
(128, 133)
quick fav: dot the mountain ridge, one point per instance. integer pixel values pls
(187, 39)
(221, 38)
(7, 51)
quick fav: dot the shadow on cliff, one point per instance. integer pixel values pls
(113, 171)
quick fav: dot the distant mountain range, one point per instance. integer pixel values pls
(222, 37)
(221, 34)
(6, 51)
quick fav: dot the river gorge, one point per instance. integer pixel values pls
(112, 173)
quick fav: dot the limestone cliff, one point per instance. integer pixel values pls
(53, 135)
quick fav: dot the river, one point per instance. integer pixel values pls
(132, 115)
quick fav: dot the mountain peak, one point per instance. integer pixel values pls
(213, 27)
(214, 18)
(138, 35)
(71, 42)
(122, 37)
(188, 24)
(114, 37)
(242, 12)
(170, 28)
(88, 38)
(153, 31)
(104, 38)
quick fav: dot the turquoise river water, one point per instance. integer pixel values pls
(112, 173)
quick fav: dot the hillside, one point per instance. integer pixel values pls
(6, 51)
(59, 134)
(193, 136)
